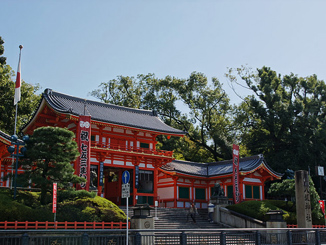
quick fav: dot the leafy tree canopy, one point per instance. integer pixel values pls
(191, 104)
(50, 152)
(27, 105)
(2, 50)
(284, 118)
(286, 189)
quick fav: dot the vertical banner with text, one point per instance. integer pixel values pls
(84, 147)
(101, 183)
(54, 206)
(236, 187)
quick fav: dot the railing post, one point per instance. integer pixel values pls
(183, 238)
(258, 238)
(289, 237)
(85, 239)
(223, 238)
(25, 239)
(138, 239)
(317, 234)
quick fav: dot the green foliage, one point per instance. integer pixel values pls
(286, 189)
(284, 119)
(89, 209)
(2, 50)
(79, 206)
(50, 152)
(208, 124)
(258, 209)
(282, 190)
(27, 105)
(71, 194)
(22, 208)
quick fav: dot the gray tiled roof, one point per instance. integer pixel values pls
(103, 112)
(4, 135)
(217, 168)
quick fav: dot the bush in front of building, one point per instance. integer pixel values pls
(24, 207)
(254, 209)
(258, 210)
(89, 209)
(71, 194)
(71, 206)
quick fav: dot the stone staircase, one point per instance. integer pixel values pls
(178, 218)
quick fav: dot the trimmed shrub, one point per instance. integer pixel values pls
(71, 194)
(89, 209)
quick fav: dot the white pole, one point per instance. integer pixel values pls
(156, 204)
(127, 221)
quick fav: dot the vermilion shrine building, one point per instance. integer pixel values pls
(122, 139)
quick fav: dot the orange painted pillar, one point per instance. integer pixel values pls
(175, 196)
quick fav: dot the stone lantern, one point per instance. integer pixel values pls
(143, 220)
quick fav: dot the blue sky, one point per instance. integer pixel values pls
(73, 46)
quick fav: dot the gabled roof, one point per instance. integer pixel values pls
(246, 164)
(108, 113)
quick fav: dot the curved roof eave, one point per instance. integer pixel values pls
(5, 138)
(105, 113)
(222, 168)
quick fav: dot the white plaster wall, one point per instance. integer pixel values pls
(165, 192)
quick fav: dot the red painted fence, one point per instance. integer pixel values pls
(14, 225)
(313, 226)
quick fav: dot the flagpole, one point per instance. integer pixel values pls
(17, 87)
(16, 100)
(16, 119)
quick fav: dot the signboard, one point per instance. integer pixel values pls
(84, 147)
(320, 170)
(125, 190)
(236, 187)
(125, 177)
(54, 206)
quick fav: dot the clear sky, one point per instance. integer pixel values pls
(72, 46)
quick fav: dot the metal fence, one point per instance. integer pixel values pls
(162, 237)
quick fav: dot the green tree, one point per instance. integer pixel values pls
(50, 152)
(284, 118)
(286, 189)
(2, 50)
(27, 105)
(192, 105)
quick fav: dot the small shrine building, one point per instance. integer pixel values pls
(180, 182)
(113, 139)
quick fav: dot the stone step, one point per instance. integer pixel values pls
(178, 218)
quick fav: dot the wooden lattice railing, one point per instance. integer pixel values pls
(15, 225)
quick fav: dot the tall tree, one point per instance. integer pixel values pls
(27, 105)
(285, 118)
(50, 152)
(2, 50)
(201, 110)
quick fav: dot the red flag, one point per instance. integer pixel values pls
(18, 79)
